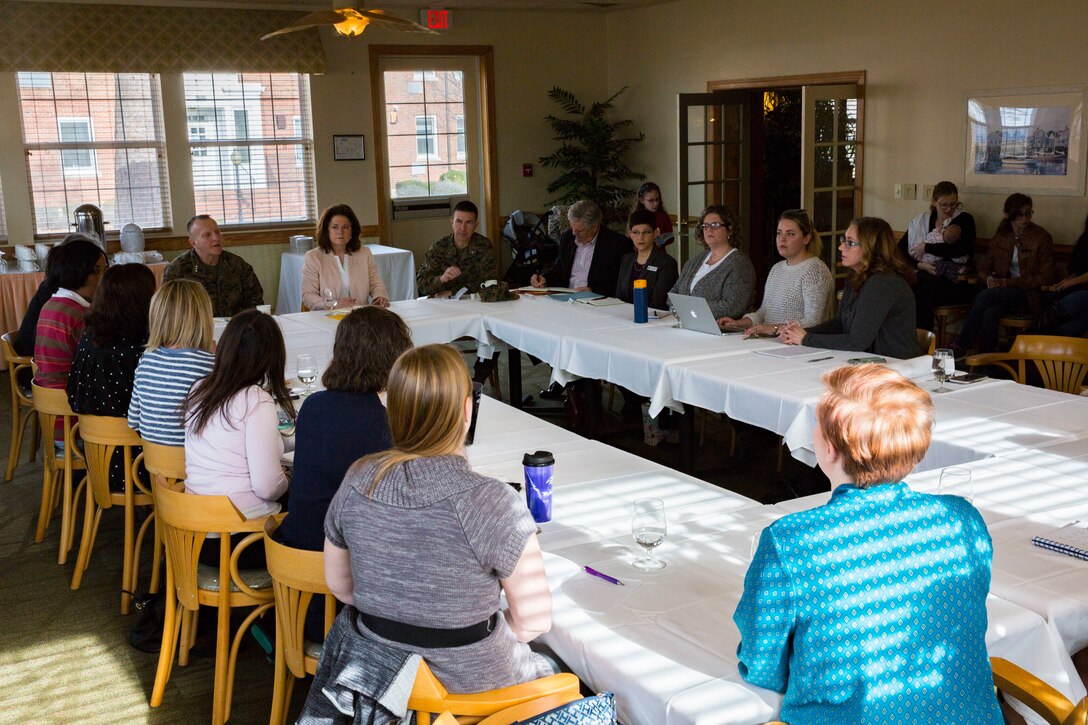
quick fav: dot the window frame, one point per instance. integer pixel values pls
(77, 170)
(429, 137)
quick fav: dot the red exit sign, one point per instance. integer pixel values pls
(436, 19)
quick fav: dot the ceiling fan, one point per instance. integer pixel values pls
(350, 22)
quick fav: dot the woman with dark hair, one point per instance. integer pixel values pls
(648, 262)
(649, 198)
(368, 342)
(1019, 262)
(799, 287)
(877, 310)
(24, 339)
(940, 242)
(105, 362)
(232, 441)
(76, 267)
(417, 513)
(341, 263)
(722, 275)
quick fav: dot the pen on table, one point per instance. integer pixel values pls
(821, 359)
(593, 572)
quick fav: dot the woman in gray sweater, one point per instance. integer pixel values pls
(722, 275)
(877, 311)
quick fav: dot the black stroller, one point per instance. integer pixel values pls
(531, 249)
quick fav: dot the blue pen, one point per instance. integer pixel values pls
(593, 572)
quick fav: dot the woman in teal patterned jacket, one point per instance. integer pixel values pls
(872, 607)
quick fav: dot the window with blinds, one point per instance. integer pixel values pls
(94, 138)
(251, 146)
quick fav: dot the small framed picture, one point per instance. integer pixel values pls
(348, 148)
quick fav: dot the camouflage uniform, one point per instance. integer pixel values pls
(232, 284)
(477, 263)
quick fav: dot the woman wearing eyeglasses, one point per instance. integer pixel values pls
(940, 242)
(1020, 261)
(722, 275)
(877, 310)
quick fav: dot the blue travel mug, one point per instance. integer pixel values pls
(539, 467)
(641, 300)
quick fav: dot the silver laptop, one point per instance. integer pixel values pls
(694, 314)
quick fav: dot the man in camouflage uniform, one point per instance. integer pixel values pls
(229, 280)
(461, 259)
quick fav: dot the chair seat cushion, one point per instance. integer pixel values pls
(207, 578)
(312, 649)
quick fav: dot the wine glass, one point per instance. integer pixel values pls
(956, 481)
(331, 301)
(306, 369)
(944, 366)
(649, 528)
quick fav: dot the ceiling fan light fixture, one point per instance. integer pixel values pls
(351, 26)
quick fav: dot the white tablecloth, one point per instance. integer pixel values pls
(396, 266)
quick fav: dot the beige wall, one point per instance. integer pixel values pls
(533, 51)
(920, 58)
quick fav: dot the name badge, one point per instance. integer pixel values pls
(651, 269)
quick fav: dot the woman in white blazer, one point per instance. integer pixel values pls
(341, 263)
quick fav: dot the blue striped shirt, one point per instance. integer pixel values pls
(163, 379)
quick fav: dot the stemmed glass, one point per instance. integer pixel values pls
(331, 301)
(944, 366)
(649, 528)
(956, 481)
(306, 369)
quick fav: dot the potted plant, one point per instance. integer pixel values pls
(591, 155)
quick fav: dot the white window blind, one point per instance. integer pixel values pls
(94, 138)
(251, 146)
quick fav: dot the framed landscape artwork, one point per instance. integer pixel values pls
(1029, 140)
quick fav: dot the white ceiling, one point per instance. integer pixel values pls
(401, 5)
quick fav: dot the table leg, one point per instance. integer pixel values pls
(514, 360)
(687, 439)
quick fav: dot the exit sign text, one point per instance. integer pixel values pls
(436, 19)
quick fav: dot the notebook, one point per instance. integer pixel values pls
(1071, 540)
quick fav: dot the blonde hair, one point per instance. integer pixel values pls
(879, 254)
(426, 394)
(181, 316)
(878, 421)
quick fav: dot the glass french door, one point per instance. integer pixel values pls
(715, 147)
(831, 138)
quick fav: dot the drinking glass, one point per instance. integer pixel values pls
(944, 366)
(306, 369)
(649, 528)
(956, 481)
(331, 301)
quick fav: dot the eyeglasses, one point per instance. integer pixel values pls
(1025, 214)
(949, 207)
(851, 243)
(711, 225)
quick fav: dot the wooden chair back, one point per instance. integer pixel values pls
(1062, 362)
(1040, 697)
(166, 464)
(185, 520)
(102, 435)
(297, 575)
(22, 405)
(927, 341)
(430, 697)
(51, 404)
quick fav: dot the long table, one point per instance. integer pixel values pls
(665, 642)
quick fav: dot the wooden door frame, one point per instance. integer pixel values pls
(485, 58)
(857, 77)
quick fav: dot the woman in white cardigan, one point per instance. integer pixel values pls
(341, 263)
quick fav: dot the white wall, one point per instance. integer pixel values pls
(921, 58)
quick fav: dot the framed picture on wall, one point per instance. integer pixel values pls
(1026, 139)
(348, 148)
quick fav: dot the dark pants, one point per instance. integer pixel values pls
(251, 558)
(932, 291)
(1074, 314)
(981, 328)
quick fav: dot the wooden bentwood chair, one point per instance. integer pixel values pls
(22, 405)
(59, 470)
(1037, 695)
(1062, 362)
(102, 435)
(927, 341)
(184, 522)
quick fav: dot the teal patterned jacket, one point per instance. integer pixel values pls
(872, 609)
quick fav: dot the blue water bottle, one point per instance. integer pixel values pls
(641, 301)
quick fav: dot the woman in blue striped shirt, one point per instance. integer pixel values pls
(180, 351)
